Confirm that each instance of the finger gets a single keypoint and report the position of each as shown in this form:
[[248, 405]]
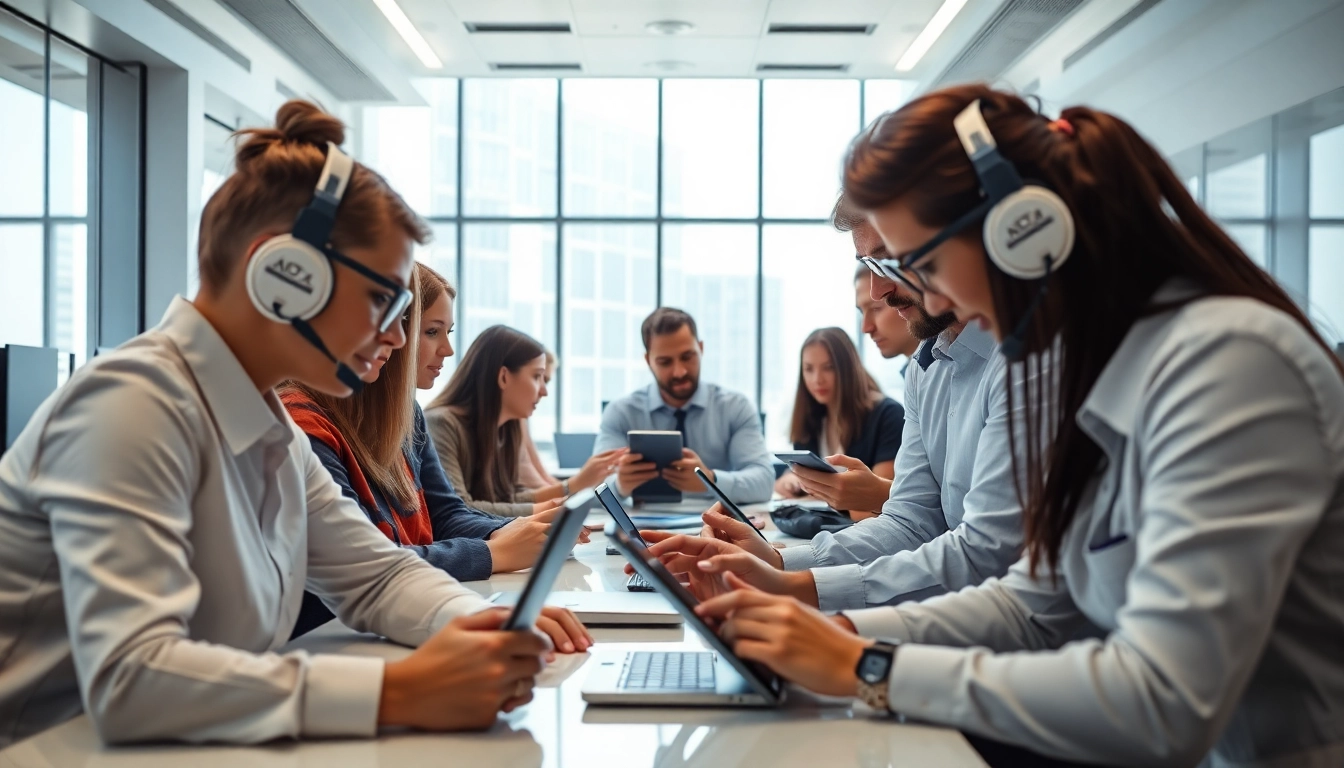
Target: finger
[[737, 583], [486, 620], [730, 525], [516, 702], [737, 564], [584, 537], [547, 515], [570, 623], [677, 562], [722, 605], [761, 653], [527, 643], [847, 462], [677, 542], [651, 537], [631, 458], [559, 637]]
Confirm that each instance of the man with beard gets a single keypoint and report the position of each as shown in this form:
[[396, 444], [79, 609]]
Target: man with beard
[[721, 429], [952, 519]]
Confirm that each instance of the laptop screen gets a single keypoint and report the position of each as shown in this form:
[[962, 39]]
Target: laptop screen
[[767, 683]]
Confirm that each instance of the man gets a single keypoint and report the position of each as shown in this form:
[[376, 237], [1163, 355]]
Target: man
[[721, 429], [953, 517]]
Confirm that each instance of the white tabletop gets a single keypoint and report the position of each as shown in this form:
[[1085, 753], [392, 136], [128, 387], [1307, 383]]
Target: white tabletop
[[558, 728]]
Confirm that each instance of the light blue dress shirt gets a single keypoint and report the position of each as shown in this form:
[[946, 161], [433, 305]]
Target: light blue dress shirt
[[1202, 568], [722, 427], [953, 519]]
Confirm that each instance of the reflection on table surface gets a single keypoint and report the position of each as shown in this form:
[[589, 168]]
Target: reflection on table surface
[[558, 728]]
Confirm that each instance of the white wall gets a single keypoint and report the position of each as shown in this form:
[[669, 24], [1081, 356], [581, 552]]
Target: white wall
[[1189, 70]]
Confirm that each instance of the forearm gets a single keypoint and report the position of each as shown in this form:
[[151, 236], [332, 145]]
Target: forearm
[[463, 559]]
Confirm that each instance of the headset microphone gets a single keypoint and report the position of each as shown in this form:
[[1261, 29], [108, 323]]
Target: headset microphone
[[343, 372]]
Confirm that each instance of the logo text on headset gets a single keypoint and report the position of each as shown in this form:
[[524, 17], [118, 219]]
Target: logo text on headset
[[292, 273], [1026, 225]]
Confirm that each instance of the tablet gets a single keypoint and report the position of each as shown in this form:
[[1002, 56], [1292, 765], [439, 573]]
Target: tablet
[[662, 448], [728, 505], [806, 459], [560, 540]]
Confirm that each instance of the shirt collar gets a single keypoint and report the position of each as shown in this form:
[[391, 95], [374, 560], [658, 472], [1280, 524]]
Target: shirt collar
[[654, 402], [1118, 391], [243, 415], [971, 340]]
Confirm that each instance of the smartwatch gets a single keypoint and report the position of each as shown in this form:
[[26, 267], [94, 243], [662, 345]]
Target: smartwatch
[[874, 671]]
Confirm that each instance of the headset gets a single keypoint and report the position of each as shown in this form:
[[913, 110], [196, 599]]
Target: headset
[[1028, 230], [291, 277]]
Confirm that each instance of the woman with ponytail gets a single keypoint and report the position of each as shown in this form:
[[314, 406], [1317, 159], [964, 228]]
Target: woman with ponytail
[[161, 516], [1181, 597]]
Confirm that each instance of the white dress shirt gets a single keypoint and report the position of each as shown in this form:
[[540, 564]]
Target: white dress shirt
[[1198, 612], [159, 519], [953, 518]]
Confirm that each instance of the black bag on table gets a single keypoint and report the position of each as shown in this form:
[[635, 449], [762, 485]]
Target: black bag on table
[[804, 523]]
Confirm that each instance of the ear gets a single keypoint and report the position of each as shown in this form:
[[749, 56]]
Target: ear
[[701, 344], [503, 376], [647, 361]]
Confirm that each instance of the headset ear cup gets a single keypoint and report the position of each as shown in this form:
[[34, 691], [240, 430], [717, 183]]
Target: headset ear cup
[[288, 278], [1024, 228]]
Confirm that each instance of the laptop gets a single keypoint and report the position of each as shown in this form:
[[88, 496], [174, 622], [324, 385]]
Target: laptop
[[574, 448], [716, 677], [607, 498]]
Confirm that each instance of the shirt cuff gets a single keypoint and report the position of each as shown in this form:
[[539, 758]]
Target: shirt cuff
[[799, 558], [839, 587], [341, 696], [879, 622], [918, 685]]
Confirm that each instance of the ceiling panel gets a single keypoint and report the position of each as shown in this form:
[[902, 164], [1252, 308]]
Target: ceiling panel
[[646, 57]]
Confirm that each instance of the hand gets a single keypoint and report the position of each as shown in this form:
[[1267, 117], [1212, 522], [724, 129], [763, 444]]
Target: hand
[[706, 562], [856, 488], [596, 469], [632, 471], [794, 640], [724, 528], [517, 544], [680, 474], [788, 486], [462, 676], [550, 505], [567, 633]]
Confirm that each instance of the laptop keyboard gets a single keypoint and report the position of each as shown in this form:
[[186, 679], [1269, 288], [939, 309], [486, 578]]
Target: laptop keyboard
[[663, 670], [636, 583]]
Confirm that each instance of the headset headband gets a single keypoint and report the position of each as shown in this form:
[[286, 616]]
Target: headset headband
[[315, 222]]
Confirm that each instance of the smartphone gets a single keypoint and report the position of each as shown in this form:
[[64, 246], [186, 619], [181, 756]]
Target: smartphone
[[728, 506], [806, 459]]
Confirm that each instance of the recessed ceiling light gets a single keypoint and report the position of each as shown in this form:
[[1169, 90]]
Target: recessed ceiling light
[[932, 31], [669, 27], [419, 46], [670, 65]]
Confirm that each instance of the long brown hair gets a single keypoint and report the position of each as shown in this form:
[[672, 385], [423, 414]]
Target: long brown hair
[[1137, 227], [378, 422], [276, 170], [474, 395], [855, 391]]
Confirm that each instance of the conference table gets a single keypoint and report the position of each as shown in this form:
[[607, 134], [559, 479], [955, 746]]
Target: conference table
[[558, 728]]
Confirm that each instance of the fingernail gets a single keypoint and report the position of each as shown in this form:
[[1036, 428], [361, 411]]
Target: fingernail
[[569, 647], [705, 565]]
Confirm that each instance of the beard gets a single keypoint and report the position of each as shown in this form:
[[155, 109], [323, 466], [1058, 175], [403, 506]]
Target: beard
[[671, 386], [923, 325]]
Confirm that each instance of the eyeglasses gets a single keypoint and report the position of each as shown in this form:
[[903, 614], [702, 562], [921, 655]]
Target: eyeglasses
[[909, 269], [399, 299]]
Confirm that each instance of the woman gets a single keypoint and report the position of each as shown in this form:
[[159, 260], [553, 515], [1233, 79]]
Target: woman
[[165, 484], [1181, 597], [377, 449], [840, 411], [437, 296], [476, 424], [532, 473]]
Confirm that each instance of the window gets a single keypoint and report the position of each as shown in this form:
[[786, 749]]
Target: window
[[1327, 174], [709, 270], [809, 124], [415, 148], [509, 147], [881, 96], [509, 279], [711, 148], [610, 147], [609, 288], [807, 278], [1325, 268]]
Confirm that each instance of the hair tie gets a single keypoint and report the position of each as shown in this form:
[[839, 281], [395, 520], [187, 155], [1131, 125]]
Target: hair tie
[[1063, 126]]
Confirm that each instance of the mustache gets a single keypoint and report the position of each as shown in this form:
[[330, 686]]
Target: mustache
[[897, 301]]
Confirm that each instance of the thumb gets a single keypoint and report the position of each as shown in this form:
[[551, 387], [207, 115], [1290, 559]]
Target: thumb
[[723, 523], [482, 621], [734, 563], [848, 462]]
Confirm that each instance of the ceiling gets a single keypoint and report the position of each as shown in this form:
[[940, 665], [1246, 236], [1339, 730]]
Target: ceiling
[[609, 38]]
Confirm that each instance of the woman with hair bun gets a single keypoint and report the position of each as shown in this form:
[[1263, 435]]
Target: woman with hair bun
[[162, 515], [1181, 597]]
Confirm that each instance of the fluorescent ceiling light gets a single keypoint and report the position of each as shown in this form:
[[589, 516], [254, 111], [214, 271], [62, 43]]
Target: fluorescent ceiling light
[[937, 25], [419, 46]]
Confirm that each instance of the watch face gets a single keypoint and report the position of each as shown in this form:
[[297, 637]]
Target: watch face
[[873, 668]]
